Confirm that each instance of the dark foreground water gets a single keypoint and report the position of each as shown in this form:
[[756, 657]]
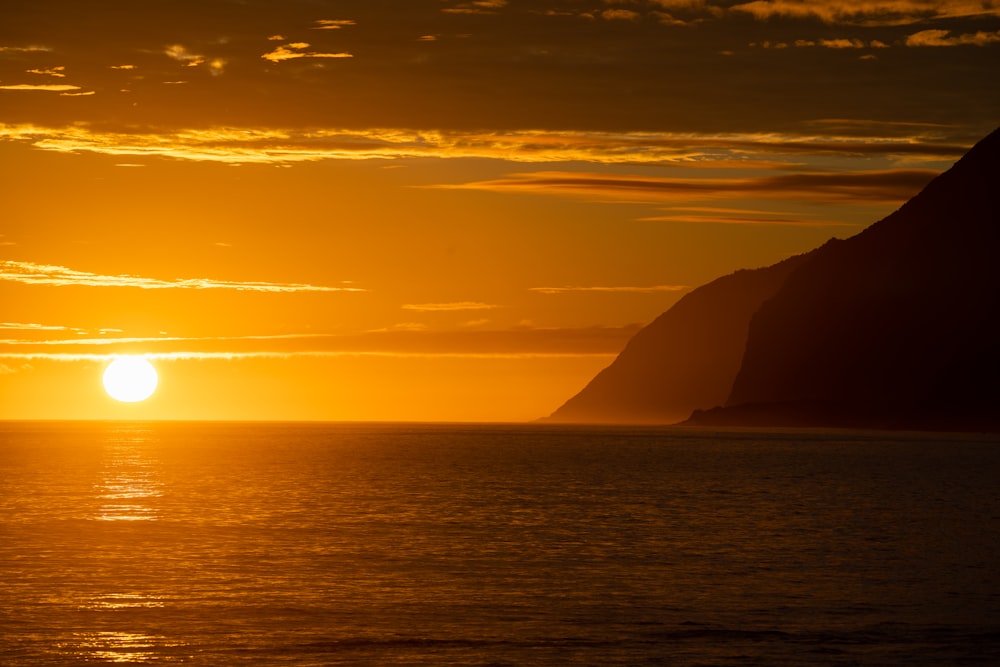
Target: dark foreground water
[[299, 544]]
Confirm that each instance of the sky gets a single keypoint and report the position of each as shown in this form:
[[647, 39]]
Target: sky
[[434, 210]]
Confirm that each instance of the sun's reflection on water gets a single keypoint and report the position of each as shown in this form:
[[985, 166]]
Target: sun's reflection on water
[[119, 647], [129, 483], [126, 601], [121, 607]]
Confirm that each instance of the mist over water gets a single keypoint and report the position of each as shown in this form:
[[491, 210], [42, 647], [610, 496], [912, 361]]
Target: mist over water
[[327, 544]]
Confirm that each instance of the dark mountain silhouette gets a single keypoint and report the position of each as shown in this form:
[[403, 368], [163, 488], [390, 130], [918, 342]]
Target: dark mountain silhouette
[[896, 327]]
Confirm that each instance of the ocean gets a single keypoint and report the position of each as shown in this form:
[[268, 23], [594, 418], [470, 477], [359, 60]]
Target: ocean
[[434, 544]]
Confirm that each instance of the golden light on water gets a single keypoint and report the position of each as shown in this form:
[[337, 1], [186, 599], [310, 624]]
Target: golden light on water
[[129, 486], [116, 647]]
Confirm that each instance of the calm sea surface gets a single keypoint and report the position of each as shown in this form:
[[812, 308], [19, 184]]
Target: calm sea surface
[[339, 544]]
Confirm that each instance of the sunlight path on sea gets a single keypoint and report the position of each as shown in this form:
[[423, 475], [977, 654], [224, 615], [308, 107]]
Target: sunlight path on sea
[[128, 488], [129, 484]]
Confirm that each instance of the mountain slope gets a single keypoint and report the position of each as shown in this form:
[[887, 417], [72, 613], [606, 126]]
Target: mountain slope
[[685, 359]]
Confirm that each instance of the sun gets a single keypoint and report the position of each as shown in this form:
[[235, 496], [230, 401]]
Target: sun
[[130, 379]]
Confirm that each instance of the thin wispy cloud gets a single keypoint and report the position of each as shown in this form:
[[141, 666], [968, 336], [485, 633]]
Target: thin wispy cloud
[[945, 38], [871, 12], [182, 55], [236, 356], [156, 341], [836, 43], [650, 289], [332, 24], [188, 59], [276, 146], [932, 37], [34, 327], [500, 343], [847, 12], [297, 50], [877, 186], [25, 49], [733, 216], [47, 87], [30, 273], [450, 306], [476, 7], [664, 12], [620, 15], [904, 131], [58, 72]]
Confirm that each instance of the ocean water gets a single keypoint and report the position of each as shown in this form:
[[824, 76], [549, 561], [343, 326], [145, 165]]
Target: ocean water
[[366, 544]]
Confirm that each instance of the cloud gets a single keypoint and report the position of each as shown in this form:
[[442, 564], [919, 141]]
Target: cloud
[[944, 38], [842, 43], [49, 71], [869, 12], [617, 290], [183, 56], [683, 4], [332, 24], [404, 326], [49, 87], [104, 342], [215, 66], [295, 50], [30, 273], [234, 356], [850, 126], [620, 15], [275, 146], [881, 186], [838, 43], [452, 306], [35, 328], [678, 12], [732, 216], [24, 49], [477, 7], [519, 342]]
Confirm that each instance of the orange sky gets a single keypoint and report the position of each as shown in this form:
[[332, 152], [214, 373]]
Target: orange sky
[[427, 209]]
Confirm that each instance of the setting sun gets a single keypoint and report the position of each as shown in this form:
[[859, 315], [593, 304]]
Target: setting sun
[[130, 379]]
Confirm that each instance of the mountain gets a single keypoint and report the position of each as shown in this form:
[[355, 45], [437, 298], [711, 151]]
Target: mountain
[[685, 359], [895, 327], [898, 326]]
